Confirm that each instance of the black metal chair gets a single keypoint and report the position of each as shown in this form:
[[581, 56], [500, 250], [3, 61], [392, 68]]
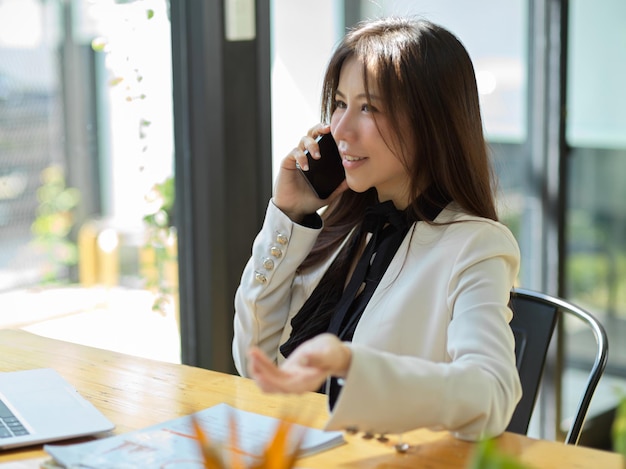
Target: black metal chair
[[535, 316]]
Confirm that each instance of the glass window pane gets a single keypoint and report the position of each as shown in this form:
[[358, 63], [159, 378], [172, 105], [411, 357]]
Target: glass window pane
[[500, 64], [298, 67], [596, 113], [86, 172], [31, 148], [596, 134]]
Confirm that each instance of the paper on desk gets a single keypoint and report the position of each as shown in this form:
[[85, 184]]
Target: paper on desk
[[35, 463], [172, 443]]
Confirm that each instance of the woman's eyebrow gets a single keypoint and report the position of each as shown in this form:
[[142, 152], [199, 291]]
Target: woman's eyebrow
[[372, 97]]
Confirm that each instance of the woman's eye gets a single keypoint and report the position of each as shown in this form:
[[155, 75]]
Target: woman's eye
[[368, 108], [339, 104]]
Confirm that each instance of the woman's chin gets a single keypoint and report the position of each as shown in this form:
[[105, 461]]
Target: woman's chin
[[357, 186]]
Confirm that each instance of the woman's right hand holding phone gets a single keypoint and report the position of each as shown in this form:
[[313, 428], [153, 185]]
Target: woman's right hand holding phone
[[292, 194]]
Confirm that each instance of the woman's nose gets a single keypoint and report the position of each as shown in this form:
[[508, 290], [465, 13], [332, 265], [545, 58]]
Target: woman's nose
[[342, 126]]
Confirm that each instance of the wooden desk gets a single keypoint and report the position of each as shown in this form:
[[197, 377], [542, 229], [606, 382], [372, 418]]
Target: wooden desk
[[136, 392]]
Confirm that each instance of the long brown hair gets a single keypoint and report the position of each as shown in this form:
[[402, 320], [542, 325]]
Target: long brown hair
[[425, 78]]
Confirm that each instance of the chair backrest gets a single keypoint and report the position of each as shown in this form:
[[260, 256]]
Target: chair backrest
[[534, 318]]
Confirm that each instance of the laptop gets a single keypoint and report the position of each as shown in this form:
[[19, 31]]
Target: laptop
[[39, 405]]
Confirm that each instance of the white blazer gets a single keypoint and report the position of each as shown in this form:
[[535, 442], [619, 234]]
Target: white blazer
[[433, 347]]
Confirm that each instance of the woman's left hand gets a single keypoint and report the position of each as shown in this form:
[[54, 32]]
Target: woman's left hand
[[306, 369]]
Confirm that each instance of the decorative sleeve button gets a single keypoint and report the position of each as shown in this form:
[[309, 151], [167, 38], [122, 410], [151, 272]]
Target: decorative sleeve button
[[268, 263], [260, 277], [276, 252], [282, 239]]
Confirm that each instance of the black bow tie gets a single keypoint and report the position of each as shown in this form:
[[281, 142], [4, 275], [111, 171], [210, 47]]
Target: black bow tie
[[377, 216]]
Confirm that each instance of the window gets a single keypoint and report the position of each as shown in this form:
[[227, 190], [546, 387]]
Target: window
[[595, 264], [86, 170]]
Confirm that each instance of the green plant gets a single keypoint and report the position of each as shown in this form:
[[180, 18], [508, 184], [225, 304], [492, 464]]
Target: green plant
[[618, 430], [488, 456], [162, 195], [158, 252], [54, 221], [160, 244]]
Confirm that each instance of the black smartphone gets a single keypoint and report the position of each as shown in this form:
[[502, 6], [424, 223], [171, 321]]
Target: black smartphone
[[324, 175]]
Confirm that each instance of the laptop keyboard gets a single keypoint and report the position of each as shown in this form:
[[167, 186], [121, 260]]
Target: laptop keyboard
[[9, 424]]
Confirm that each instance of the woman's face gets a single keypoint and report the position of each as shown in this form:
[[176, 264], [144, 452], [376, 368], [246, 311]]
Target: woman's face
[[362, 133]]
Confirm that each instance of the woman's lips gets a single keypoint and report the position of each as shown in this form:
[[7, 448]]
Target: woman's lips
[[350, 162]]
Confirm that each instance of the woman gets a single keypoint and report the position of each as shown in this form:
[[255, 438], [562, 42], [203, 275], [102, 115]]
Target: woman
[[416, 334]]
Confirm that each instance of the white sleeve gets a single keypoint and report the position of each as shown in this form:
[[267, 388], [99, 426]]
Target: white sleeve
[[263, 298]]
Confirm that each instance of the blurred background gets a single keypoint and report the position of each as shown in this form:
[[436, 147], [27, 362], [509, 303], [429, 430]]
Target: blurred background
[[138, 140]]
